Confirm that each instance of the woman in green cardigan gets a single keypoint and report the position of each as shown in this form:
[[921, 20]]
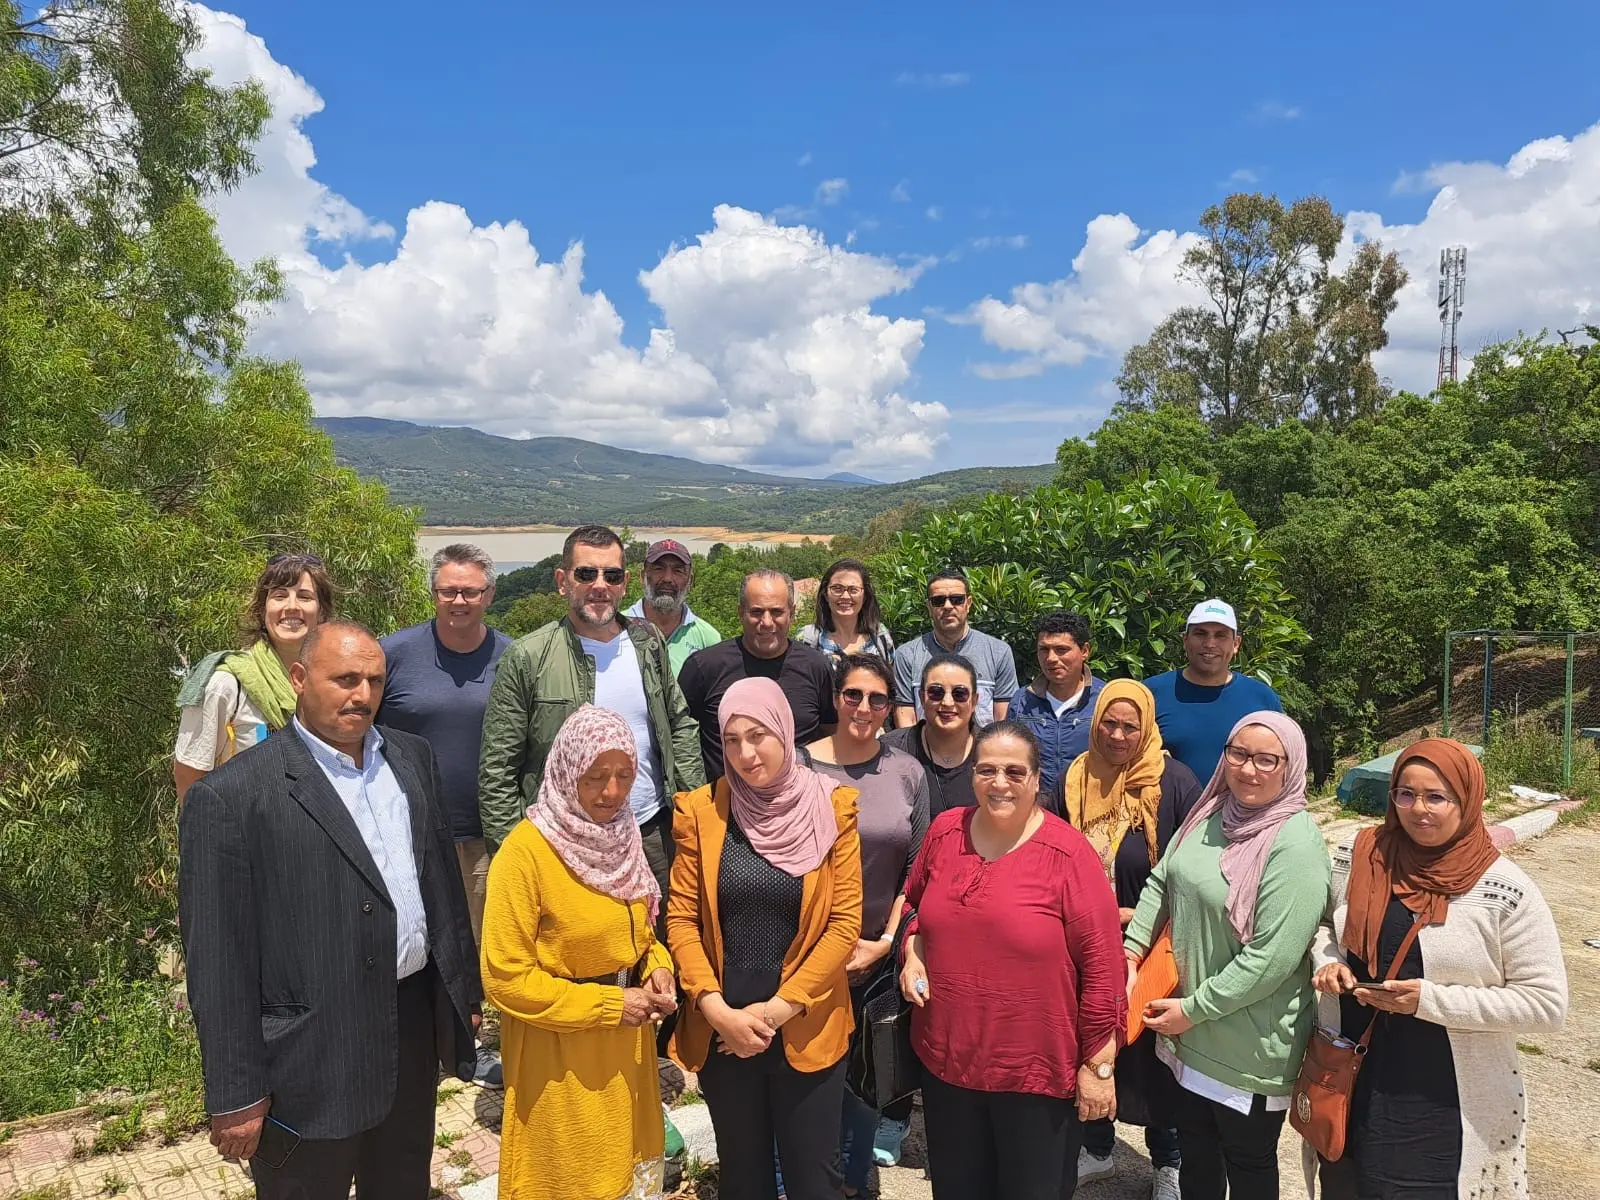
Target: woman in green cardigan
[[1245, 884]]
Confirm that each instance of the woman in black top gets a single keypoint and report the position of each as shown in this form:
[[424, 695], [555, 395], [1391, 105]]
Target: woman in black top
[[943, 741], [1128, 797]]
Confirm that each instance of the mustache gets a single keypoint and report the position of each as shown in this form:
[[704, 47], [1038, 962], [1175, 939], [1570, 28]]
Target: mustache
[[356, 710]]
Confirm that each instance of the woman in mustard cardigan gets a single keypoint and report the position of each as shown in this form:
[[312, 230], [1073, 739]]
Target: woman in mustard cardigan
[[764, 911], [571, 960]]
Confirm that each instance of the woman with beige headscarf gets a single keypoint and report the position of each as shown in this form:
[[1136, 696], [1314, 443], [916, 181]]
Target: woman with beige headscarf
[[1438, 1110], [1128, 797]]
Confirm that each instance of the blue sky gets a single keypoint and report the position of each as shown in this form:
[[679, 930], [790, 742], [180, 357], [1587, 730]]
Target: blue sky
[[969, 148]]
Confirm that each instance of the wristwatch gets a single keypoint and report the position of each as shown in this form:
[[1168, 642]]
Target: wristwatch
[[1102, 1070]]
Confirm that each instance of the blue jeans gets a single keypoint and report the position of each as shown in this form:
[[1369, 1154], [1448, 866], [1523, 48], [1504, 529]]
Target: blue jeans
[[857, 1127], [1100, 1138]]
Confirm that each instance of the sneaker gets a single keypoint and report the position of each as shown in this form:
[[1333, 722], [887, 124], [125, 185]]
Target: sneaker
[[488, 1073], [887, 1141], [1164, 1186], [1092, 1166]]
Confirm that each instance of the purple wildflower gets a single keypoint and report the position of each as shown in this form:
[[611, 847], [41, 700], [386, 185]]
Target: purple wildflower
[[57, 996], [77, 1006], [29, 964]]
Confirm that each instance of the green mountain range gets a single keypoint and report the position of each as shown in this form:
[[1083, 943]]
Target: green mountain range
[[460, 476]]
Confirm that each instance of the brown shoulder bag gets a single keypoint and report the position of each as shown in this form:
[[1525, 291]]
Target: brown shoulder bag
[[1320, 1107]]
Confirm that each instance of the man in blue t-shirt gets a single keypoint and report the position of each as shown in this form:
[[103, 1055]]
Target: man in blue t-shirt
[[437, 686], [1197, 707]]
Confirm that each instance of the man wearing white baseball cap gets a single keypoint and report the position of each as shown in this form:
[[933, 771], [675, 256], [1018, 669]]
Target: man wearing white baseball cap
[[1197, 707]]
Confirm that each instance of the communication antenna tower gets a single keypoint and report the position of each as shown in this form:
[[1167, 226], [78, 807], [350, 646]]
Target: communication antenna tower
[[1452, 291]]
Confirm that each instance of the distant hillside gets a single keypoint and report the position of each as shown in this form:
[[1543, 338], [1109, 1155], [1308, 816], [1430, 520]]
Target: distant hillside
[[462, 476]]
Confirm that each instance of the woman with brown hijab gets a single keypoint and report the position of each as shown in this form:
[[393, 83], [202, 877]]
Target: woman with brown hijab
[[1439, 1111]]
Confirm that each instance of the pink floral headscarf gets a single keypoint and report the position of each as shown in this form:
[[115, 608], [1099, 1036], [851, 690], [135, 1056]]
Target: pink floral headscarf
[[610, 857]]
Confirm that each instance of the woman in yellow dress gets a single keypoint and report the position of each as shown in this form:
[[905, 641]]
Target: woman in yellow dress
[[571, 960]]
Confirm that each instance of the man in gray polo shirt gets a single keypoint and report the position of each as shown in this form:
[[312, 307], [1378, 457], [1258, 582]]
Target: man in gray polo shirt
[[949, 603]]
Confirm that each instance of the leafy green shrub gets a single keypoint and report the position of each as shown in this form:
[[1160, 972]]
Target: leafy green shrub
[[1133, 561], [58, 1048], [1527, 751]]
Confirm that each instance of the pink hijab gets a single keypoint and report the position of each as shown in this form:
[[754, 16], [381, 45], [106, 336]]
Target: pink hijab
[[1250, 832], [610, 857], [790, 822]]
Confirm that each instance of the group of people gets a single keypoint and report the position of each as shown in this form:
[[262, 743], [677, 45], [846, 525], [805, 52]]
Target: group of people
[[638, 841]]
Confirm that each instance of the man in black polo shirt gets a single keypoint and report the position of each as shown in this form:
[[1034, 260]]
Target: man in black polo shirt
[[766, 610]]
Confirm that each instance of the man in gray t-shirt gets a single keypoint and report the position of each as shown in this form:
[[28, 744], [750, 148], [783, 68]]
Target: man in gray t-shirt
[[949, 603]]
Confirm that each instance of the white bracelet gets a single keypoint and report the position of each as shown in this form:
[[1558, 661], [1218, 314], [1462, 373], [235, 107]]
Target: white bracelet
[[886, 937]]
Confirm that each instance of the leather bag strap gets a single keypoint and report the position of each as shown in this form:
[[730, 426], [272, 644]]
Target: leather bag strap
[[1394, 969]]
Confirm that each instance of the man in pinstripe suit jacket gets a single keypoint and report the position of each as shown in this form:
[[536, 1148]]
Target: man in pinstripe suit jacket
[[330, 956]]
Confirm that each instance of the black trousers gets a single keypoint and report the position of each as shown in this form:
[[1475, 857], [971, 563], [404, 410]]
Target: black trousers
[[391, 1160], [999, 1145], [659, 851], [1225, 1152], [757, 1101]]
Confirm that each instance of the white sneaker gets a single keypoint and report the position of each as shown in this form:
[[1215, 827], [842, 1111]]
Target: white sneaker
[[1092, 1166], [1164, 1186]]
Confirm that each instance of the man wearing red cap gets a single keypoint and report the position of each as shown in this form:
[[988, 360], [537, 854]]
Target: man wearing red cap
[[668, 576]]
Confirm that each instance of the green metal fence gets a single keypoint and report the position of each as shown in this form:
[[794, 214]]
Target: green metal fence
[[1535, 685]]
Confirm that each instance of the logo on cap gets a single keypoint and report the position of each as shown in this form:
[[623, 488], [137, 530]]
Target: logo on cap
[[666, 547], [1213, 612]]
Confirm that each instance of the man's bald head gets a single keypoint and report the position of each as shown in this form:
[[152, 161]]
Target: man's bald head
[[339, 680]]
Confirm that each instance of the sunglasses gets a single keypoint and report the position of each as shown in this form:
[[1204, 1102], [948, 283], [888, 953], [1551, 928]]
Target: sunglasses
[[960, 693], [941, 601], [989, 772], [855, 697], [614, 575], [311, 560]]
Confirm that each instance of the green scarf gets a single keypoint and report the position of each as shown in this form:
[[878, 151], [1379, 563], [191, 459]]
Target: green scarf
[[260, 673]]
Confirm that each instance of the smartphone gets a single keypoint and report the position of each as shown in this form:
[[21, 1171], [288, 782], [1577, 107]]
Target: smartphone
[[277, 1143]]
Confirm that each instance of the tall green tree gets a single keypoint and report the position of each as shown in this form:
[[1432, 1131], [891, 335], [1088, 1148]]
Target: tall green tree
[[147, 464], [1282, 334]]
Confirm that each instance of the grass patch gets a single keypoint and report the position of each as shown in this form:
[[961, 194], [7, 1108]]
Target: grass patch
[[183, 1111], [48, 1191], [689, 1097], [1526, 751], [60, 1045], [444, 1139], [113, 1184], [1530, 1048], [119, 1133], [446, 1092]]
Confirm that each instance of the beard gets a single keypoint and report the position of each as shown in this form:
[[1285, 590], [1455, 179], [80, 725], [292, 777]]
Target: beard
[[597, 612], [664, 602]]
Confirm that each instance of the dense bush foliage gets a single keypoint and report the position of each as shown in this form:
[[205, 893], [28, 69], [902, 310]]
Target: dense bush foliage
[[147, 469], [1133, 560]]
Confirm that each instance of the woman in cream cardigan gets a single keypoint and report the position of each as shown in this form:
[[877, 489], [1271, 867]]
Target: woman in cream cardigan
[[1439, 1111]]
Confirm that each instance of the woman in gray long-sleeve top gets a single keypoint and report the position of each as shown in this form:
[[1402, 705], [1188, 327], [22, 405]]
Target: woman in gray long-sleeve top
[[893, 817]]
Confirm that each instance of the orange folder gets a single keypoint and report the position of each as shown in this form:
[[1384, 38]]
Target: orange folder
[[1156, 979]]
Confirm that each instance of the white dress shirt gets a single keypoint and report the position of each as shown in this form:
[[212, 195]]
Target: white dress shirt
[[377, 804]]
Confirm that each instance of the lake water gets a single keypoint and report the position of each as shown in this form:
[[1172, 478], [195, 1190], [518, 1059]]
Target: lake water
[[511, 550]]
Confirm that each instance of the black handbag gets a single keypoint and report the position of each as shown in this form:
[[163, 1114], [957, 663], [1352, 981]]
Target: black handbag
[[883, 1067]]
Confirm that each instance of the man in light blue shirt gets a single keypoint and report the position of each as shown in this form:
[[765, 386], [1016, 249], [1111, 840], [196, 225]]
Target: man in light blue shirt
[[668, 576], [382, 815]]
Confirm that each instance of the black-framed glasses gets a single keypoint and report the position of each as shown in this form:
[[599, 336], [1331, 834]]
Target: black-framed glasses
[[855, 697], [1405, 798], [957, 599], [1237, 756], [467, 594], [960, 693], [989, 772], [310, 560], [843, 592], [614, 575]]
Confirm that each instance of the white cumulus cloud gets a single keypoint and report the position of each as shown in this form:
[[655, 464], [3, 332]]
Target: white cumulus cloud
[[1531, 227], [769, 352]]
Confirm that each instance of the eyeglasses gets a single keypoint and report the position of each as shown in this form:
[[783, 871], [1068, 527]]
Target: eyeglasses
[[614, 575], [310, 560], [1405, 798], [839, 589], [988, 772], [467, 594], [960, 693], [855, 697], [1237, 756], [957, 599]]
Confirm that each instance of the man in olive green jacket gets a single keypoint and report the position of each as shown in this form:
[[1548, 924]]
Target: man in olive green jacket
[[593, 655]]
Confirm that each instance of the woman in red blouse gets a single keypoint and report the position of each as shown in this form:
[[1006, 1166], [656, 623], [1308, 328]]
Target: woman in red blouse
[[1015, 966]]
